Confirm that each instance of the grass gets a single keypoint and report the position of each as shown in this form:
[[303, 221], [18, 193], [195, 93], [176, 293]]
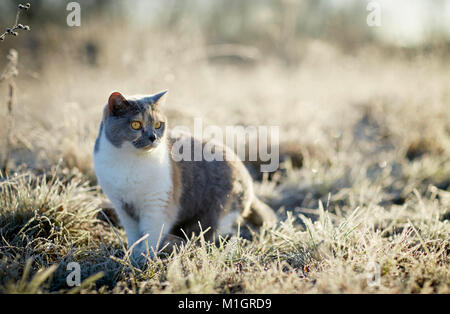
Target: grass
[[47, 222], [364, 182]]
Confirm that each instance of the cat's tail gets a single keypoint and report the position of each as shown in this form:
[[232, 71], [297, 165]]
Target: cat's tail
[[261, 213]]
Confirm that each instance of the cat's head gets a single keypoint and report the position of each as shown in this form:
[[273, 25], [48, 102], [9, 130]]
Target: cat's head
[[135, 121]]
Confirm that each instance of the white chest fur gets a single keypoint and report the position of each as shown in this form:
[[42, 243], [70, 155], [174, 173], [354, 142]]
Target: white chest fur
[[128, 176], [142, 180]]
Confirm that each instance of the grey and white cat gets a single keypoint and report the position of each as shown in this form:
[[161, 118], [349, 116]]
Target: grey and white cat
[[155, 195]]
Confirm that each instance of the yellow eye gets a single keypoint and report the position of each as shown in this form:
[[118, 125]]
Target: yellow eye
[[136, 125], [157, 125]]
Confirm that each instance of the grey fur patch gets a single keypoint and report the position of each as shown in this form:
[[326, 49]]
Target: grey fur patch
[[97, 141], [130, 210], [210, 190]]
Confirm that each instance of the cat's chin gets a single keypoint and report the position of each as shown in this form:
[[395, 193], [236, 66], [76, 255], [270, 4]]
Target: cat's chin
[[150, 148]]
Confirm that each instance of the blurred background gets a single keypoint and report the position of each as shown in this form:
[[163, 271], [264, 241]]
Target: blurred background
[[343, 93], [275, 28]]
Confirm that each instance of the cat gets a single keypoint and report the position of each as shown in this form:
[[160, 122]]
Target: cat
[[157, 196]]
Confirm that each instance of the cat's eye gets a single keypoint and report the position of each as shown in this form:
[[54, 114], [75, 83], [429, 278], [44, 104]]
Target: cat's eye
[[136, 125], [157, 125]]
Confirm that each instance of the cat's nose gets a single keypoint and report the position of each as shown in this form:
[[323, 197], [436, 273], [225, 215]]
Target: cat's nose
[[152, 137]]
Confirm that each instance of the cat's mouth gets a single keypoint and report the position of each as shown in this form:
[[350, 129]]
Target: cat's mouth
[[139, 146], [150, 147]]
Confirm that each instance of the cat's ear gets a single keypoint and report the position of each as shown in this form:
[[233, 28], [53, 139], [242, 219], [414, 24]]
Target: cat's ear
[[117, 104], [159, 98]]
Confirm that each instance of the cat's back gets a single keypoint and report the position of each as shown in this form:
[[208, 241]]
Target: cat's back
[[205, 159], [207, 180]]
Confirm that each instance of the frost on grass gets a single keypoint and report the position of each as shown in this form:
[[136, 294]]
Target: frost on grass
[[47, 221]]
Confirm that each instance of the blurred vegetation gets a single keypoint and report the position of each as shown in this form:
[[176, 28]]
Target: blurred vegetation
[[275, 28]]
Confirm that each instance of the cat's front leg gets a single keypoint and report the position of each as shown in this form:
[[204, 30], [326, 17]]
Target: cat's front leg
[[155, 225], [131, 226]]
